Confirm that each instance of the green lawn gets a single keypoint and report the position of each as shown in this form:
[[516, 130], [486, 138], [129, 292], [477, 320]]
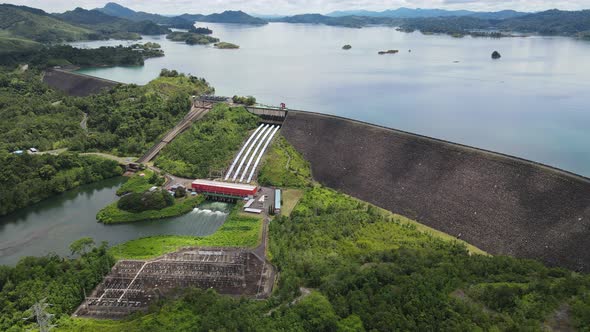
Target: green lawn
[[237, 231], [111, 214]]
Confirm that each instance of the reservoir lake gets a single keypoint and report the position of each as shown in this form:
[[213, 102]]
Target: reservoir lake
[[531, 103]]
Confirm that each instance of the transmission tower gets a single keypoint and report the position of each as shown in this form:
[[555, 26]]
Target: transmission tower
[[39, 310]]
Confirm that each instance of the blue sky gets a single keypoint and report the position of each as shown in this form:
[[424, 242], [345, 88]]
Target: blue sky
[[304, 6]]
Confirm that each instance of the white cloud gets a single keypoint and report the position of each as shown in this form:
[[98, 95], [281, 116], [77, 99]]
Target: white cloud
[[304, 6]]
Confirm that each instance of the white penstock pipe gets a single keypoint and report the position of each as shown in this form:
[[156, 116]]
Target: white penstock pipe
[[261, 154], [248, 152], [233, 165], [255, 152]]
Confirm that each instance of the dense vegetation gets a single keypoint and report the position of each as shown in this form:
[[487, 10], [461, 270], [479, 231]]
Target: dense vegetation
[[236, 231], [27, 179], [209, 145], [129, 119], [283, 166], [61, 281], [395, 278], [146, 201], [191, 38], [64, 55], [34, 116], [201, 30], [248, 101], [113, 214]]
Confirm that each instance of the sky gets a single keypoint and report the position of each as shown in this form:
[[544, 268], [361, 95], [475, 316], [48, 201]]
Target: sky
[[289, 7]]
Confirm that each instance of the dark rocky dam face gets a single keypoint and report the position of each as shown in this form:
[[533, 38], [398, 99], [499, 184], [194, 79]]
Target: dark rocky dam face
[[75, 84], [501, 204]]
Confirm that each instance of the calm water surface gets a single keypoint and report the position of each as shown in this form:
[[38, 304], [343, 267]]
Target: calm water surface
[[53, 224], [532, 103]]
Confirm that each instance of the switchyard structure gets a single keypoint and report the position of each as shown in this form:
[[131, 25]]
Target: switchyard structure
[[132, 285]]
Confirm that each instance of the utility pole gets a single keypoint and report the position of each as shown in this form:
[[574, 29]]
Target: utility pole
[[43, 317]]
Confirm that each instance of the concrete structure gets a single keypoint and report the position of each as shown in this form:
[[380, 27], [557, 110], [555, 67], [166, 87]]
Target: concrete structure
[[501, 204], [224, 189]]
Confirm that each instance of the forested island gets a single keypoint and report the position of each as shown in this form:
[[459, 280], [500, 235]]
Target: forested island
[[226, 45], [191, 38]]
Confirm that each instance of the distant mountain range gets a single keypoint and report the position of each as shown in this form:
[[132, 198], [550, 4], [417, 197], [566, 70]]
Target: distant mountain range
[[180, 21], [425, 13], [551, 22]]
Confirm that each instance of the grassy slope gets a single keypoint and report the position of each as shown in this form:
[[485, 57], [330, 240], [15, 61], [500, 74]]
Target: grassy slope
[[111, 214], [209, 145], [37, 25], [9, 45], [283, 166], [237, 231]]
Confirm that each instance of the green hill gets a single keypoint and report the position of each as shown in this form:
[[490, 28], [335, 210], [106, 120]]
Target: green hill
[[13, 45], [116, 10], [107, 25], [34, 24], [230, 16]]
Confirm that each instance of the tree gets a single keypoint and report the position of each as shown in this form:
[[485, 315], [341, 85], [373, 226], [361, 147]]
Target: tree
[[81, 246], [180, 192], [47, 172]]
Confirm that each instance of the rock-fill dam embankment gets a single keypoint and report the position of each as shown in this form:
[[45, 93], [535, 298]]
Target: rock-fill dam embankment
[[501, 204], [74, 84]]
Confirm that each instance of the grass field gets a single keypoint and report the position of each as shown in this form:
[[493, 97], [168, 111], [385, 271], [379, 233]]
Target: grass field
[[290, 199], [137, 183], [237, 231], [111, 214]]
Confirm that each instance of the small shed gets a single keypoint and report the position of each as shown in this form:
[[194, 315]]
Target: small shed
[[278, 200]]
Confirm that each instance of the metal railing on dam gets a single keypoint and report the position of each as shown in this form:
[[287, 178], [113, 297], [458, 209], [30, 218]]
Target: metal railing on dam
[[501, 204]]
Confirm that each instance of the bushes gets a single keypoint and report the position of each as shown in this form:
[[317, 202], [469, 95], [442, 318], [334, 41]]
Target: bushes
[[248, 101], [139, 202]]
